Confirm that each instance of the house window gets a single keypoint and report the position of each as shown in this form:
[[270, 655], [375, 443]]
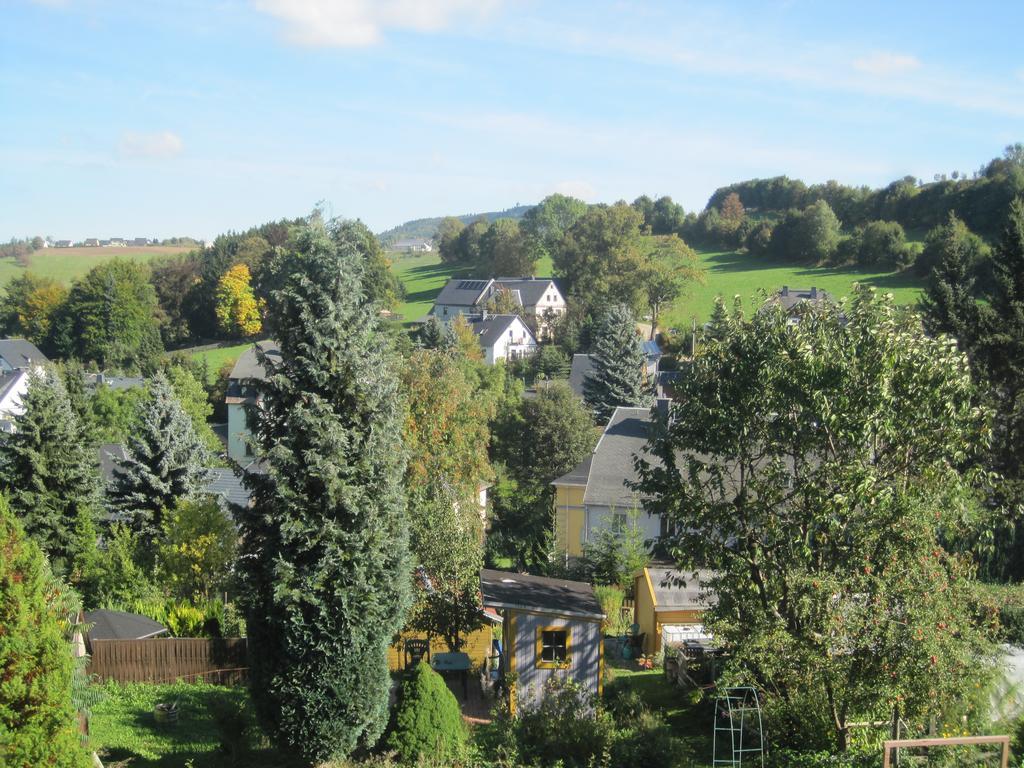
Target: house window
[[553, 647]]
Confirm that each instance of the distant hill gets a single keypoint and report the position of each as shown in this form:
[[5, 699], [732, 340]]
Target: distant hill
[[427, 228]]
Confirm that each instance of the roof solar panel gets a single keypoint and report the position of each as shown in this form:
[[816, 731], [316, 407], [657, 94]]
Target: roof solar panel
[[472, 285]]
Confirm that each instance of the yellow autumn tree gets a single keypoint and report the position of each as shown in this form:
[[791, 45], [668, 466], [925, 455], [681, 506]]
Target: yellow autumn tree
[[238, 310]]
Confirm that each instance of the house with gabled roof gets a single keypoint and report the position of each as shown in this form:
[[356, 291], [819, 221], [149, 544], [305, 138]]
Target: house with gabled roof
[[242, 396], [20, 355], [596, 494], [503, 337], [539, 297]]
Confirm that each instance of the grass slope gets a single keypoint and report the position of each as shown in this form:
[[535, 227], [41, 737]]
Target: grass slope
[[727, 273], [67, 264], [218, 357], [731, 273]]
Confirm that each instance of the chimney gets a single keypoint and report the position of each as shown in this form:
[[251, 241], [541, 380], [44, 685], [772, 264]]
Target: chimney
[[785, 290], [814, 292], [483, 314]]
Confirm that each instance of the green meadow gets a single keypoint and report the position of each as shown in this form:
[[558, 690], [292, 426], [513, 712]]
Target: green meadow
[[67, 264], [726, 273]]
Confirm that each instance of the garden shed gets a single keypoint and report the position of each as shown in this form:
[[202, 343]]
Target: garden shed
[[551, 629], [669, 605]]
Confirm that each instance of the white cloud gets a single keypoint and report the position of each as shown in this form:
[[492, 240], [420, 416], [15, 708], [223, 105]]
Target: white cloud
[[359, 23], [887, 63], [576, 188], [161, 144]]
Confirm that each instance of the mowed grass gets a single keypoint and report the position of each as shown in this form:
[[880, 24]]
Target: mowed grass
[[67, 264], [731, 273], [726, 274], [219, 357]]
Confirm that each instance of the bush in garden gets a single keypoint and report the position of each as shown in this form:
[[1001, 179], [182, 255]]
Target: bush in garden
[[428, 722], [565, 725], [37, 719], [610, 598]]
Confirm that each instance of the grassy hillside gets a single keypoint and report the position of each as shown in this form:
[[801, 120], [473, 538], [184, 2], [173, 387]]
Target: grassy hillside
[[726, 273], [730, 273], [427, 228], [67, 264]]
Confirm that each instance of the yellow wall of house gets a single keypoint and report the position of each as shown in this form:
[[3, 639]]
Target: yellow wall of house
[[569, 516], [478, 647], [644, 607], [651, 620]]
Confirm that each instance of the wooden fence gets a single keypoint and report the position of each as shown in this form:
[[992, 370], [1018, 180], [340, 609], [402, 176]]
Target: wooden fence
[[164, 660]]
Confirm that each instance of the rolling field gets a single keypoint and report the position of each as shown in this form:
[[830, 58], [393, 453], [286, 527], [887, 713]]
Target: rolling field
[[726, 273], [730, 273], [67, 264], [218, 357]]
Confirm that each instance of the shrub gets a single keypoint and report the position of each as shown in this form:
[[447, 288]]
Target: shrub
[[566, 725], [233, 722], [428, 721], [610, 598]]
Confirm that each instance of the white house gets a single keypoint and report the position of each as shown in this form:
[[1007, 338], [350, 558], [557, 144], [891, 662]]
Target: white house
[[503, 337], [412, 245], [538, 296], [13, 386], [242, 396]]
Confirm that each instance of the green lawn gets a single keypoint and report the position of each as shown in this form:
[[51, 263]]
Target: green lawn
[[125, 735], [219, 357], [692, 723], [67, 264], [728, 273]]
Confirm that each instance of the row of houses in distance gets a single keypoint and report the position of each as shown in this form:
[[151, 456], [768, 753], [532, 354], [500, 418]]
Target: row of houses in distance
[[95, 242]]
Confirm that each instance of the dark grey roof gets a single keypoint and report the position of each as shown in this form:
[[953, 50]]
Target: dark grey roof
[[789, 298], [114, 382], [504, 589], [462, 292], [531, 289], [226, 485], [248, 367], [670, 594], [578, 475], [118, 625], [21, 353], [489, 330], [581, 366], [623, 438]]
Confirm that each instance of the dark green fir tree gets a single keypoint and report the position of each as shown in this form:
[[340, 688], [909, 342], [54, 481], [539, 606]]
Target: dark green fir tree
[[618, 376], [949, 304], [165, 462], [325, 562], [50, 474]]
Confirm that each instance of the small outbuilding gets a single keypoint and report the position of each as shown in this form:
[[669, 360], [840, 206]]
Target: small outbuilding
[[669, 606], [551, 628], [119, 625]]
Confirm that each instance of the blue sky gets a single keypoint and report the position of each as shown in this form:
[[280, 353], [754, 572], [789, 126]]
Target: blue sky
[[152, 118]]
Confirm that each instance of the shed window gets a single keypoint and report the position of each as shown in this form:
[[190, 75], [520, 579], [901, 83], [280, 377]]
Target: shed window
[[552, 647]]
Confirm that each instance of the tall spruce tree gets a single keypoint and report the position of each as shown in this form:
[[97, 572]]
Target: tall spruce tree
[[949, 304], [165, 462], [325, 545], [50, 474], [37, 718], [617, 378]]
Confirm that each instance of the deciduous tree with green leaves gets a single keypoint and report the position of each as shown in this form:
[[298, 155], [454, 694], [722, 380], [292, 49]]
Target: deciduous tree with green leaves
[[324, 559], [814, 468]]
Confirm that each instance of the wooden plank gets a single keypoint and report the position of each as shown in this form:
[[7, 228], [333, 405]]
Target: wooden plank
[[953, 741]]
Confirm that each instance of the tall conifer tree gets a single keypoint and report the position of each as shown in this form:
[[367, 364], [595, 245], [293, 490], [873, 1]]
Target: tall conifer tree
[[37, 718], [50, 474], [325, 546], [165, 462], [618, 355]]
